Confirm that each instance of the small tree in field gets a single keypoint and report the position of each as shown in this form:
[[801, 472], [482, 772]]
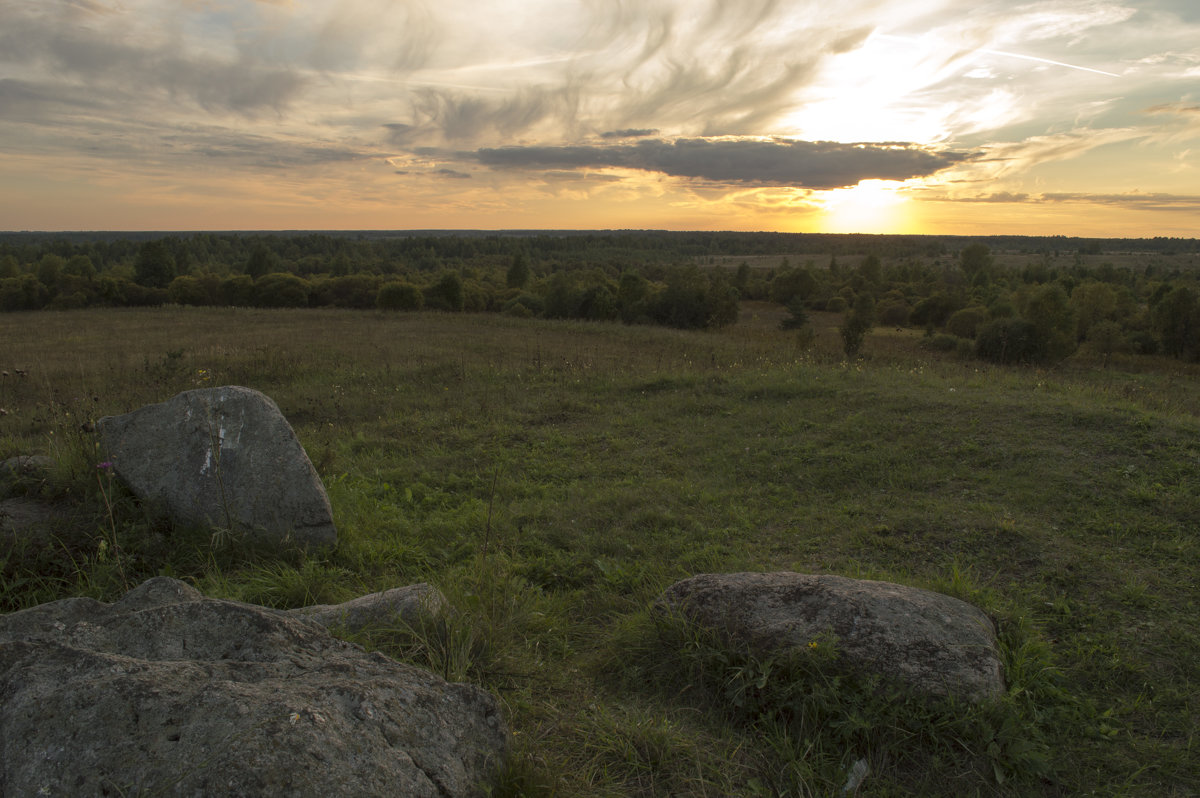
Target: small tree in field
[[857, 324]]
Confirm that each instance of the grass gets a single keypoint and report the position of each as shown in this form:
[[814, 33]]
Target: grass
[[553, 478]]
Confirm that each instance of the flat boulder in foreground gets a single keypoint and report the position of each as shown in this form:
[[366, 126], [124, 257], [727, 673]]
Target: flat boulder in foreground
[[221, 457], [933, 644], [166, 692]]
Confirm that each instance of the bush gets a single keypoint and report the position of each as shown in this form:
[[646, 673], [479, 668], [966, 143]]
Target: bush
[[359, 291], [933, 311], [942, 342], [281, 290], [524, 305], [894, 314], [236, 291], [1010, 341], [399, 296], [187, 290], [965, 323], [446, 294]]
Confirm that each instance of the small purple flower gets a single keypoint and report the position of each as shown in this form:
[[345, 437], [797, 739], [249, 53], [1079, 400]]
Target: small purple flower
[[106, 466]]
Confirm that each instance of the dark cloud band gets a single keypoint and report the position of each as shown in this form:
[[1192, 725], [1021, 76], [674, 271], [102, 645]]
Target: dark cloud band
[[771, 162]]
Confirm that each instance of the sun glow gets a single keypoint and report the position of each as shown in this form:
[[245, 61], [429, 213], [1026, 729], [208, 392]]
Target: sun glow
[[873, 206]]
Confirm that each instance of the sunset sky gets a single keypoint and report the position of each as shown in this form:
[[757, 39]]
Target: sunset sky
[[1074, 117]]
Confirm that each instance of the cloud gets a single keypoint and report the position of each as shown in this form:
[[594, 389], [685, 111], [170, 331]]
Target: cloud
[[1135, 201], [999, 160], [134, 71], [452, 174], [632, 133], [775, 162], [1180, 109], [1002, 196]]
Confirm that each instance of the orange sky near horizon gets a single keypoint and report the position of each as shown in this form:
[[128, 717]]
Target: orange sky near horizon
[[1061, 117]]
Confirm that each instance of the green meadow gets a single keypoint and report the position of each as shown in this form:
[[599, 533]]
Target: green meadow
[[553, 477]]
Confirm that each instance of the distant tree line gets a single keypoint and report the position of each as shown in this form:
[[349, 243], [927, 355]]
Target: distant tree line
[[1041, 313], [952, 287]]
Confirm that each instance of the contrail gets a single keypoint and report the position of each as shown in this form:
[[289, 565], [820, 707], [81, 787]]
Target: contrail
[[910, 40], [1048, 61]]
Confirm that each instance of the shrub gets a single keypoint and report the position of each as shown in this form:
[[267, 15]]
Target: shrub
[[350, 291], [446, 293], [281, 290], [236, 291], [399, 295], [187, 290], [1010, 341], [965, 323], [933, 311], [942, 342], [894, 313], [524, 305]]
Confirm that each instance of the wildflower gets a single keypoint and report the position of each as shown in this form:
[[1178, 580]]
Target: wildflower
[[106, 466], [812, 644]]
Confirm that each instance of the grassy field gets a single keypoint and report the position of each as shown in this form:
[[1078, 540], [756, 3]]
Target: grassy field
[[553, 478]]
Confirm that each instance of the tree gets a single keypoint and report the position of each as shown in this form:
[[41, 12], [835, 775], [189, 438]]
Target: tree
[[975, 258], [857, 323], [1176, 321], [80, 266], [446, 293], [261, 262], [632, 291], [871, 269], [1093, 303], [1054, 319], [518, 272], [155, 266], [48, 268]]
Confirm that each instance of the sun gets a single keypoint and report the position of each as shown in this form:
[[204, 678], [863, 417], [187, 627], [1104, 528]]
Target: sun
[[872, 206]]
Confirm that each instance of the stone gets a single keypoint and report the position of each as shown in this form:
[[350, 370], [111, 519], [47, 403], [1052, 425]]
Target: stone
[[400, 606], [221, 457], [21, 515], [933, 644], [166, 692], [25, 469]]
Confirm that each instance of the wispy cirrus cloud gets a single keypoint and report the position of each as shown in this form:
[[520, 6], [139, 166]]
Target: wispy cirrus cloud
[[473, 105]]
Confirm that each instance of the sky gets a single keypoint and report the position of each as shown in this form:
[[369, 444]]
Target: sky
[[1059, 117]]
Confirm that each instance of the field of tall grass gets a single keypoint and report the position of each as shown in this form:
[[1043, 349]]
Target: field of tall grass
[[552, 478]]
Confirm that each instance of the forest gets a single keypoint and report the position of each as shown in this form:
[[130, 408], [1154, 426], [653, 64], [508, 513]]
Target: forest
[[1005, 299]]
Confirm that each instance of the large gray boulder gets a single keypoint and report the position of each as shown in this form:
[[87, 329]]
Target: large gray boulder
[[220, 457], [934, 644], [166, 692]]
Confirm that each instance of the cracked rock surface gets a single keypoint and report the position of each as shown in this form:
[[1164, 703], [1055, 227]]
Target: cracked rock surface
[[166, 692]]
